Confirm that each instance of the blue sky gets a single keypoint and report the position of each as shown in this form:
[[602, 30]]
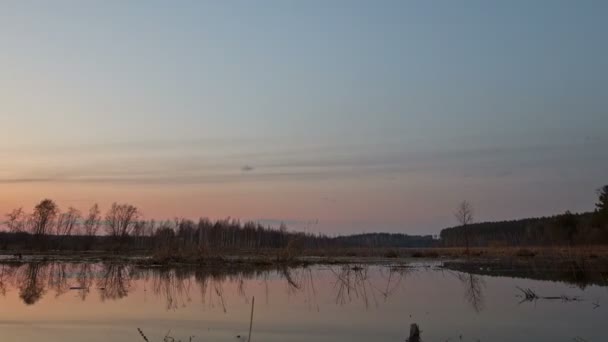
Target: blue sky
[[362, 115]]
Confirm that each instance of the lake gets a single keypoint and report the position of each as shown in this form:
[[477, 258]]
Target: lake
[[109, 302]]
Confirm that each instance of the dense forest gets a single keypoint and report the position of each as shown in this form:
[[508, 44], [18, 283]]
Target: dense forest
[[379, 240], [564, 229]]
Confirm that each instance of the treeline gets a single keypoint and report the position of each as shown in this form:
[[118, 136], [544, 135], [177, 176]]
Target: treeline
[[121, 228], [380, 240], [565, 229]]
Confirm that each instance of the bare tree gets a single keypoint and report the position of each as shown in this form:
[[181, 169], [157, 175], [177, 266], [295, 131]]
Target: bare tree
[[44, 216], [464, 216], [92, 222], [120, 220], [67, 222], [16, 221]]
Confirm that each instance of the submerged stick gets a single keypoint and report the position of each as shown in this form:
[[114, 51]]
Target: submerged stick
[[141, 333], [251, 319]]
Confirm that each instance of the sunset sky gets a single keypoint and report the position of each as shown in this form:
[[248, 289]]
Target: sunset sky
[[333, 116]]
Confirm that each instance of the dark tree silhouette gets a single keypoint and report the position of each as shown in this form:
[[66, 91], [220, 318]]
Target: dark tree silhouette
[[601, 208], [44, 216], [464, 216], [16, 221], [120, 220], [602, 203], [68, 222]]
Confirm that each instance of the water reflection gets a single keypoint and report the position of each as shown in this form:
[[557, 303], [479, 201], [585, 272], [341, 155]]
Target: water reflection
[[174, 286], [473, 290], [354, 283], [361, 300], [350, 284], [115, 281], [578, 272], [31, 278]]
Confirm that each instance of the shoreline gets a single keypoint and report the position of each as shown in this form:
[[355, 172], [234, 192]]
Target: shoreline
[[306, 257]]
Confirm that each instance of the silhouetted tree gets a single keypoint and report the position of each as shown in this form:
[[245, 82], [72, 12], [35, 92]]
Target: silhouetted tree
[[464, 216], [602, 204], [120, 220], [67, 222], [601, 207], [92, 222], [16, 221], [43, 218]]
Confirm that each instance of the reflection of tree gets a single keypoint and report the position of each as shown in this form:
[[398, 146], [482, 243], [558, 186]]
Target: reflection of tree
[[84, 279], [355, 283], [115, 282], [306, 279], [173, 285], [473, 290], [300, 281], [292, 285], [352, 282], [393, 280], [32, 283], [7, 273], [211, 289], [57, 277]]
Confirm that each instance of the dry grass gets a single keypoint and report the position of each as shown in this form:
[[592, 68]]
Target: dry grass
[[592, 252]]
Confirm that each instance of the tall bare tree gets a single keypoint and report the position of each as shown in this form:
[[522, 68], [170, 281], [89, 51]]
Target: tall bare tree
[[16, 221], [68, 222], [92, 222], [464, 216], [44, 216], [120, 220]]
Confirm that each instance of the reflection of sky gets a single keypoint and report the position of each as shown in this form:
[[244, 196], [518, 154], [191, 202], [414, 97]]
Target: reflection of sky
[[361, 117]]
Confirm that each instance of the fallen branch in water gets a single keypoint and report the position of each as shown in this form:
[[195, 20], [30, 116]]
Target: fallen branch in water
[[529, 295]]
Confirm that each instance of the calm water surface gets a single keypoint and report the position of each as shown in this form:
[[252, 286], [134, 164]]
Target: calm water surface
[[97, 302]]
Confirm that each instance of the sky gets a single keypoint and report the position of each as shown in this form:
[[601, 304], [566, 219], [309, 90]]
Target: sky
[[332, 116]]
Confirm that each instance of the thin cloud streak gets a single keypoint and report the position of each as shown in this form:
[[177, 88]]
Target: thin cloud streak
[[335, 163]]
